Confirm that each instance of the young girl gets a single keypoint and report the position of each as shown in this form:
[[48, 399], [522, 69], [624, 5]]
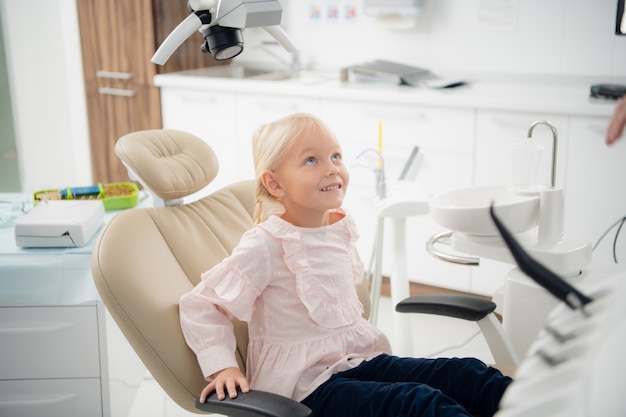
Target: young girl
[[293, 279]]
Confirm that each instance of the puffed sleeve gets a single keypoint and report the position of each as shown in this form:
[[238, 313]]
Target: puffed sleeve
[[227, 290]]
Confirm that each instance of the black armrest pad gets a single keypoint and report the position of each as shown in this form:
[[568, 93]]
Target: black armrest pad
[[254, 404], [464, 307]]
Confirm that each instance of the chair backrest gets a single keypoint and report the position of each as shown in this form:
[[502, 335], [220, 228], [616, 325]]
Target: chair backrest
[[145, 258]]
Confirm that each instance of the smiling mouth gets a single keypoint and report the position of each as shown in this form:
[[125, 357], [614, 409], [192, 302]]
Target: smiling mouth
[[333, 187]]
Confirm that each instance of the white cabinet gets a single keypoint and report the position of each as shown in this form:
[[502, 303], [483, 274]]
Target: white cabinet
[[53, 361], [445, 140], [497, 131], [227, 121], [594, 196], [61, 354], [463, 142], [253, 110], [212, 117]]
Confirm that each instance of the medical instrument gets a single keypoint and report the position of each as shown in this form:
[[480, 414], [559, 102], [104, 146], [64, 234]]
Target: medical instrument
[[221, 23], [573, 366], [404, 175], [558, 287]]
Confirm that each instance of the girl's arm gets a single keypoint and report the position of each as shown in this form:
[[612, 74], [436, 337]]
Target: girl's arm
[[208, 331], [226, 291]]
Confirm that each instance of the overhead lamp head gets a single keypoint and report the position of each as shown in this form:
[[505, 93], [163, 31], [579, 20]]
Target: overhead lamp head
[[222, 42], [221, 23]]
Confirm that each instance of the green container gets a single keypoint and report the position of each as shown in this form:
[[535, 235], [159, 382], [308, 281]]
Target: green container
[[114, 196]]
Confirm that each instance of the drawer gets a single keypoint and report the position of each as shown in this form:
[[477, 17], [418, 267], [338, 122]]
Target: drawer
[[49, 342], [51, 398]]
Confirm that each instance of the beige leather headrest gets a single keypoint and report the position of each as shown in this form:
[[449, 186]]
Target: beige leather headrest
[[170, 163]]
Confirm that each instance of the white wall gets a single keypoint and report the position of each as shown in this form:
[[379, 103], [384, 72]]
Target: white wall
[[47, 91], [563, 37]]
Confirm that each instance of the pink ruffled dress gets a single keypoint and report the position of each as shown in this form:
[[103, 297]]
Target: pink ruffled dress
[[295, 287]]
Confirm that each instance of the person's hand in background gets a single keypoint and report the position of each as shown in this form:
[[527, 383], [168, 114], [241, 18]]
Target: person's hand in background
[[616, 125]]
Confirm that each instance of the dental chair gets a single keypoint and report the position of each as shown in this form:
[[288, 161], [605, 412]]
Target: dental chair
[[144, 259]]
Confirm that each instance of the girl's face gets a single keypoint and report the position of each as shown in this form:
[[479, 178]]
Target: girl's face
[[311, 179]]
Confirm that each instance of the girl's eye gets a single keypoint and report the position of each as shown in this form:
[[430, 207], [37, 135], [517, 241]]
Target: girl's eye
[[309, 161], [336, 157]]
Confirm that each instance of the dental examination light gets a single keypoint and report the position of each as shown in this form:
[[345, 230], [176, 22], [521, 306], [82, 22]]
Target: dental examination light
[[221, 23]]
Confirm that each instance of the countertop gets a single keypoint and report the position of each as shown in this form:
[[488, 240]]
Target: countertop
[[527, 93], [44, 276]]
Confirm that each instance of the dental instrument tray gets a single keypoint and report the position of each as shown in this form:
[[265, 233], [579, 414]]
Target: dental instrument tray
[[114, 196]]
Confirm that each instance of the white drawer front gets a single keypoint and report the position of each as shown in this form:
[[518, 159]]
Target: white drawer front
[[51, 398], [49, 342]]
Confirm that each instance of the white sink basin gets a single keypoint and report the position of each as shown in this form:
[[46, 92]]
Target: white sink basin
[[467, 210]]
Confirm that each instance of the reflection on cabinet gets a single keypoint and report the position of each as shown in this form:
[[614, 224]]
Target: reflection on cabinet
[[118, 38]]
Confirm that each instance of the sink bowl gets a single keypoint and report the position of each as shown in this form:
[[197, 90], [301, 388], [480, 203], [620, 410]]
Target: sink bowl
[[240, 72], [244, 72], [467, 210]]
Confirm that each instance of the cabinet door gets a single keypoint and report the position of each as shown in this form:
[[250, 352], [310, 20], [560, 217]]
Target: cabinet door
[[49, 342], [445, 141], [594, 197], [253, 110], [117, 37], [212, 117], [113, 113], [498, 131], [51, 398]]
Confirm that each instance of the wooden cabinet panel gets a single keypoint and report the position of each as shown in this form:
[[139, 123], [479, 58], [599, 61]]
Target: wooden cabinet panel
[[118, 39], [117, 36], [114, 112]]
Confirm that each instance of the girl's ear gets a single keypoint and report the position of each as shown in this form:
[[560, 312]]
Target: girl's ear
[[271, 184]]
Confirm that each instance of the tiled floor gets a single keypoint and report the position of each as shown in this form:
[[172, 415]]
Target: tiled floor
[[432, 336]]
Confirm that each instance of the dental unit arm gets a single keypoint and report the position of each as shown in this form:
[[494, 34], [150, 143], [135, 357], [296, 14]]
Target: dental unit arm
[[221, 23]]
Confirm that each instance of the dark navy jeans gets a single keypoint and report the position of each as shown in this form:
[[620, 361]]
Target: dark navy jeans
[[390, 386]]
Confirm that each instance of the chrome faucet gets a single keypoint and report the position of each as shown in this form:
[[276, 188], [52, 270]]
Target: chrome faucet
[[554, 144]]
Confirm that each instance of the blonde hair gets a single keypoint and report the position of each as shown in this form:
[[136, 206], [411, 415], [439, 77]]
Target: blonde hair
[[270, 143]]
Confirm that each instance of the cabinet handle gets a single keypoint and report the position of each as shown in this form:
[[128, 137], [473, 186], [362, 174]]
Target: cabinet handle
[[444, 238], [115, 75], [37, 401], [50, 328], [116, 92]]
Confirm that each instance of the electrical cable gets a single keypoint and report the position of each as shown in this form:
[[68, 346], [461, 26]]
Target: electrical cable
[[619, 228], [619, 222], [460, 345]]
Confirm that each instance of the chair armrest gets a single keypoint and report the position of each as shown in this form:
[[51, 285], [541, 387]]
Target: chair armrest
[[464, 307], [254, 404]]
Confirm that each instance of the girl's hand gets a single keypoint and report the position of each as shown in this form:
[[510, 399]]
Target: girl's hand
[[226, 381]]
